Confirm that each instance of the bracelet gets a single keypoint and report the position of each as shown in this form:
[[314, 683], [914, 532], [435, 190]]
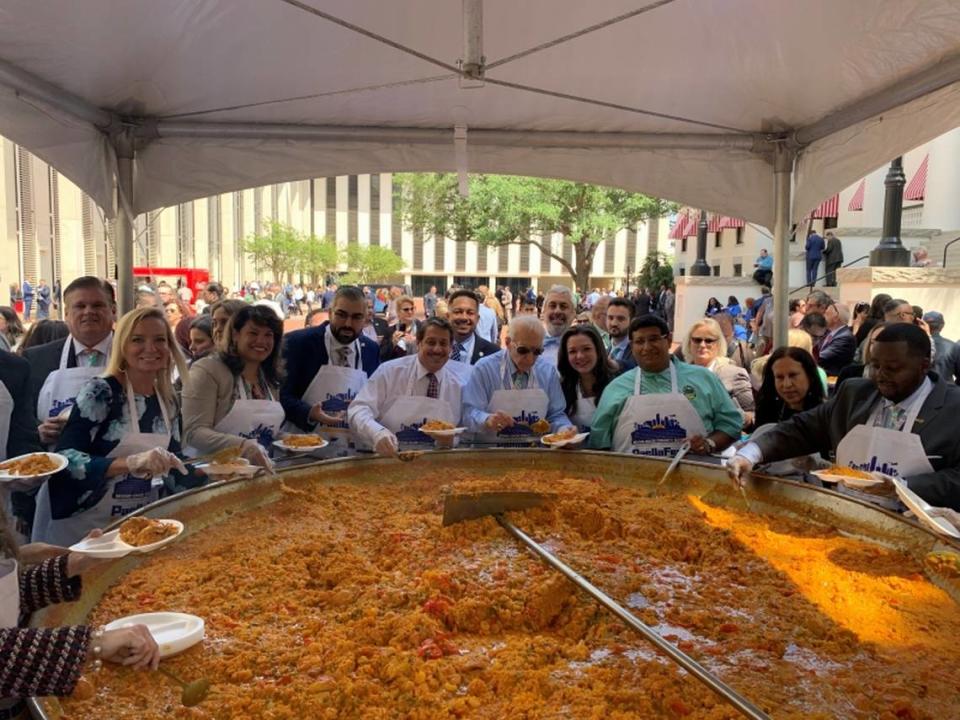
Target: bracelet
[[97, 639], [711, 445]]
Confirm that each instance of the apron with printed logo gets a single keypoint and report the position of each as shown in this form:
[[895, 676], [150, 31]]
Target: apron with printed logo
[[258, 420], [408, 412], [525, 407], [59, 391], [124, 495], [657, 424]]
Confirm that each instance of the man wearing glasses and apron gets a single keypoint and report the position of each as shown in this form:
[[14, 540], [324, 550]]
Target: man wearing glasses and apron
[[661, 404], [328, 365], [898, 423], [514, 396]]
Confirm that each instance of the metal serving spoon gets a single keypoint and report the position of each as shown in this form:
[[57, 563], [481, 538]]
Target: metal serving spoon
[[194, 692]]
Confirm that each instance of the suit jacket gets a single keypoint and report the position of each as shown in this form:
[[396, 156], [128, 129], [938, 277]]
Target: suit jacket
[[943, 363], [304, 352], [14, 374], [822, 428], [43, 360], [833, 253], [836, 354], [481, 348]]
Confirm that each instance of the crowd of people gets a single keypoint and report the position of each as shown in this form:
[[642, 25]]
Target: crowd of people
[[131, 400]]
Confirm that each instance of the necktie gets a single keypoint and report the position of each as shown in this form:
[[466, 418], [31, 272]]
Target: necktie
[[892, 416], [433, 386], [458, 350], [91, 358], [342, 354], [520, 380]]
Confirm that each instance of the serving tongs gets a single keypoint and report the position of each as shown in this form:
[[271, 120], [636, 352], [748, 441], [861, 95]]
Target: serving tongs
[[457, 508], [684, 449]]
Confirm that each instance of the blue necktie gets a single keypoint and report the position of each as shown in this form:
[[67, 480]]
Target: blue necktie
[[458, 349]]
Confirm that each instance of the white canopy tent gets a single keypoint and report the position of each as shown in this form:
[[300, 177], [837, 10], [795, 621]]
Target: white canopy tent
[[743, 107]]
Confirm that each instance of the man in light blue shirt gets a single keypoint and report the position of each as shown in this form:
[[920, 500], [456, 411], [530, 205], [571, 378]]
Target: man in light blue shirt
[[487, 403], [487, 324], [559, 311]]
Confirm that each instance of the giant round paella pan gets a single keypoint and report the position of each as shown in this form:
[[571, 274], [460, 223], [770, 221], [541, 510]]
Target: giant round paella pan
[[332, 591]]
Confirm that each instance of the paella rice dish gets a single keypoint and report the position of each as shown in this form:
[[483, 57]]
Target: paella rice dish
[[140, 531], [344, 600]]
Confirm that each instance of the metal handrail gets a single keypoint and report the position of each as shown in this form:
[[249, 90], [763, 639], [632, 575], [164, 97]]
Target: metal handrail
[[806, 285], [947, 247]]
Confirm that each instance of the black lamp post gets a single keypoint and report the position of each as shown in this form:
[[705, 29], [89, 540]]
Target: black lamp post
[[890, 252], [700, 266]]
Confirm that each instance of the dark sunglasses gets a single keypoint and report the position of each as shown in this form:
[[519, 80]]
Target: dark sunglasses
[[703, 341], [524, 350]]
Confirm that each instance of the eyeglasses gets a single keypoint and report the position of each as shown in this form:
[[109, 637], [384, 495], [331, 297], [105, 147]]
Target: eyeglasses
[[905, 313], [524, 350], [652, 340], [703, 341]]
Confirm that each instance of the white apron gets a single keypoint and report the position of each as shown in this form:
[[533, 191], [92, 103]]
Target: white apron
[[657, 424], [524, 406], [60, 389], [586, 407], [410, 411], [125, 493], [258, 420], [335, 387]]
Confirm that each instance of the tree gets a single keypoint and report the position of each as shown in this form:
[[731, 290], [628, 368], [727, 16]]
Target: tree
[[371, 263], [317, 258], [655, 272], [275, 249], [503, 210]]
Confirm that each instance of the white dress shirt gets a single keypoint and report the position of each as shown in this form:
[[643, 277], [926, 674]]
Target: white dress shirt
[[487, 324], [389, 382], [334, 346], [103, 347], [467, 351]]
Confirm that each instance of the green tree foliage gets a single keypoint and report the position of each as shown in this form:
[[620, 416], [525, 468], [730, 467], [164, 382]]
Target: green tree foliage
[[274, 249], [656, 271], [317, 259], [366, 264], [504, 209]]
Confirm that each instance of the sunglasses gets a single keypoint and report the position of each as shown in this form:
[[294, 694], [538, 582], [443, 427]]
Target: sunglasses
[[703, 341], [524, 350]]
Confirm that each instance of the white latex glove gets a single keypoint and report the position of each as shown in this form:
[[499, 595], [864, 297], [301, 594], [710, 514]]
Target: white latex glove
[[256, 454], [387, 446], [948, 514], [154, 462], [738, 467]]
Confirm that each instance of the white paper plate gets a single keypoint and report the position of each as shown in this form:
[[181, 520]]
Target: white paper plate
[[452, 432], [578, 438], [851, 482], [921, 509], [109, 545], [322, 443], [240, 466], [60, 460], [174, 632]]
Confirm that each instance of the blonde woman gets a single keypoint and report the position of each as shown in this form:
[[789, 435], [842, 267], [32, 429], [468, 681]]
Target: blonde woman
[[121, 438], [706, 346]]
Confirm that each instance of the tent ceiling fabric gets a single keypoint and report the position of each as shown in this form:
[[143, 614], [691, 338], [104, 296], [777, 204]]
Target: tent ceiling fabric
[[753, 67]]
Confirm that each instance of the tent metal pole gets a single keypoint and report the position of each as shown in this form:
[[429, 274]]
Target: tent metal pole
[[941, 75], [782, 188], [33, 90], [123, 145], [442, 136]]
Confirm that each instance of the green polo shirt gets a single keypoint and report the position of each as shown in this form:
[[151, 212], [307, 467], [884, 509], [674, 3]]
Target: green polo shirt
[[700, 386]]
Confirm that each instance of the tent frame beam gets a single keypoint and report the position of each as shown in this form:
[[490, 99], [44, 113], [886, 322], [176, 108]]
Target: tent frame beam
[[784, 158]]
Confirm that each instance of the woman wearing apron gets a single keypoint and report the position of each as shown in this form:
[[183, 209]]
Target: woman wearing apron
[[121, 437], [231, 399], [48, 661], [584, 373], [405, 393]]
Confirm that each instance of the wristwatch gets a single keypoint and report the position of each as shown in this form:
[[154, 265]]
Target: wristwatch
[[711, 445]]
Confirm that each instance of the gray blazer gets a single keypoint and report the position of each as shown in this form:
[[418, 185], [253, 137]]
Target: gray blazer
[[823, 427], [207, 398]]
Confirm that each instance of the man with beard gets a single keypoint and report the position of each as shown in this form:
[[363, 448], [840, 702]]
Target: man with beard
[[898, 422], [406, 392], [328, 365], [619, 315], [559, 311], [464, 313]]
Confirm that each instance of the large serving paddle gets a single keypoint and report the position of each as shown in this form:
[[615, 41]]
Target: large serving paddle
[[457, 508]]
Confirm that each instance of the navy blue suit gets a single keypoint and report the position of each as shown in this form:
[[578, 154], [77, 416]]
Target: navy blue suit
[[304, 353]]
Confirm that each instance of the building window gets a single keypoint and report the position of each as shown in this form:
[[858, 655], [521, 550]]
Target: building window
[[739, 236], [683, 245], [716, 271], [737, 270], [793, 233], [682, 271], [716, 239], [375, 209]]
